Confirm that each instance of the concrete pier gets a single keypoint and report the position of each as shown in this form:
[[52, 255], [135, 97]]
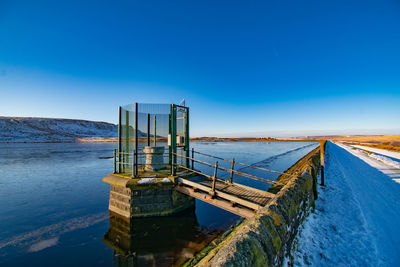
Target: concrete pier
[[133, 198]]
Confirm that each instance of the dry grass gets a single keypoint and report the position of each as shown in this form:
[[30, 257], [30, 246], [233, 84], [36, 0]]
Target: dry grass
[[387, 146], [388, 142], [369, 138]]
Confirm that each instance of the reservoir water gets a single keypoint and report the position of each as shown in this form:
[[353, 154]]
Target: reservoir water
[[54, 206]]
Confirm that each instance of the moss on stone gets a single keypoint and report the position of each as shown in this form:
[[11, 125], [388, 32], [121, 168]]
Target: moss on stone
[[133, 184], [258, 257], [275, 217]]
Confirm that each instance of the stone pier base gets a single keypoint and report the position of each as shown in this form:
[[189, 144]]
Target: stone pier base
[[130, 198]]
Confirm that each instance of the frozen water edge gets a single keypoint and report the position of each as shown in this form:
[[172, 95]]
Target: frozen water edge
[[356, 218]]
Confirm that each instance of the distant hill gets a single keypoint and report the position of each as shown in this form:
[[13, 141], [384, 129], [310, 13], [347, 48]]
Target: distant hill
[[17, 129]]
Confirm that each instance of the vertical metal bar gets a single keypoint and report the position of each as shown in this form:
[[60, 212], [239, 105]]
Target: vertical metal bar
[[133, 169], [123, 160], [115, 161], [192, 158], [148, 129], [155, 130], [233, 166], [214, 177], [126, 156], [187, 137], [119, 138], [173, 139], [322, 151], [170, 135], [135, 161]]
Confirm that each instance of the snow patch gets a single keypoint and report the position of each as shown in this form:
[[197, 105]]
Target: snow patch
[[392, 154], [385, 160], [153, 180]]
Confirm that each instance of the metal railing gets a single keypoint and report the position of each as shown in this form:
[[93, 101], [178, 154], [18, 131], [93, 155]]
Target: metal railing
[[120, 163], [231, 171]]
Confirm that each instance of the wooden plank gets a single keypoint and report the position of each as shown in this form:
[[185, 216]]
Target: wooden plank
[[268, 194], [239, 193], [257, 196], [226, 184], [194, 184], [220, 194], [243, 212]]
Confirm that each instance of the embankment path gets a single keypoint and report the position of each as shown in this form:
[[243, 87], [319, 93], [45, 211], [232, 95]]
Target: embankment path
[[357, 216]]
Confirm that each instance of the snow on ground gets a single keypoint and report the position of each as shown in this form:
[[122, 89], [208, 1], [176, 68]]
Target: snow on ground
[[153, 180], [385, 160], [384, 164], [357, 216], [384, 152]]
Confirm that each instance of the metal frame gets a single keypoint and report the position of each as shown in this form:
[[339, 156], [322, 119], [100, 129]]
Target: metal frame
[[173, 139], [119, 138], [126, 151], [135, 160]]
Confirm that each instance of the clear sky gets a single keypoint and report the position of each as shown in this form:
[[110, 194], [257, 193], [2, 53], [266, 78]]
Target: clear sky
[[244, 67]]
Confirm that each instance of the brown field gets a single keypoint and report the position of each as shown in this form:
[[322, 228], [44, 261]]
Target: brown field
[[388, 142]]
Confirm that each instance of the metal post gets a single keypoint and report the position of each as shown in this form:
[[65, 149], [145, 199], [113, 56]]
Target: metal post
[[173, 139], [192, 158], [148, 129], [133, 169], [119, 138], [155, 130], [135, 161], [214, 178], [322, 144], [115, 161], [187, 137], [233, 166], [126, 156], [123, 160], [170, 134]]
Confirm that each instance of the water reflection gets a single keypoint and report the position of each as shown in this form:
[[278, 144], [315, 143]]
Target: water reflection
[[157, 241]]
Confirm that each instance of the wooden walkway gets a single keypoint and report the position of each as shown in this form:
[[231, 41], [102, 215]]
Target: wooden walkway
[[236, 198]]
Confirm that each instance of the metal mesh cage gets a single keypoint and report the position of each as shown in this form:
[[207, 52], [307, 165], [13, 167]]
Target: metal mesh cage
[[161, 129]]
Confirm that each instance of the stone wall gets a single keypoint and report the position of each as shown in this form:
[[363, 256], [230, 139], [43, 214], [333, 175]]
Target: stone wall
[[266, 239], [130, 199]]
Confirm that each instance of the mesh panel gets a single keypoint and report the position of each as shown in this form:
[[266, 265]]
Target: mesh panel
[[153, 128], [181, 114]]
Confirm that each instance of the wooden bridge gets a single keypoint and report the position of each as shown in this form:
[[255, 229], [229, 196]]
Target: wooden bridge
[[239, 199]]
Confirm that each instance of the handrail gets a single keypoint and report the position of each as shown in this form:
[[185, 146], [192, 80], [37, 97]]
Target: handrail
[[198, 172], [246, 175], [244, 164], [231, 171]]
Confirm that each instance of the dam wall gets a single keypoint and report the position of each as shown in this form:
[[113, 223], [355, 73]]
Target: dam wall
[[266, 239]]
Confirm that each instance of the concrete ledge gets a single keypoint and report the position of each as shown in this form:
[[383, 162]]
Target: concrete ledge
[[116, 179]]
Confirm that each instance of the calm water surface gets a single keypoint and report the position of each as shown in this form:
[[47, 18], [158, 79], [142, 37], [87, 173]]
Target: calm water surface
[[54, 206]]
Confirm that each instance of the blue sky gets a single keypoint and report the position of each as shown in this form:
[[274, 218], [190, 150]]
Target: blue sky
[[244, 67]]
